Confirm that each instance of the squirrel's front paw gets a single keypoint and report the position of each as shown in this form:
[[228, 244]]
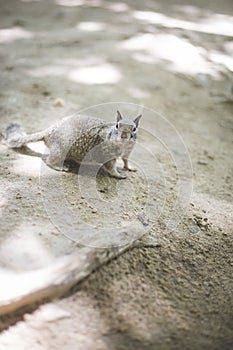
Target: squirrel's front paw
[[129, 168], [111, 169], [119, 175]]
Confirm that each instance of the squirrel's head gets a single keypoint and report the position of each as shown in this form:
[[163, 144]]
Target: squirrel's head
[[125, 130]]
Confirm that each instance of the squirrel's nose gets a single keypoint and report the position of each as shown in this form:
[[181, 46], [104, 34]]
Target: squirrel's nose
[[124, 135]]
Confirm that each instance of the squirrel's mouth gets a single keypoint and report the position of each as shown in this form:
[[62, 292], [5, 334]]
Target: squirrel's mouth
[[124, 139], [125, 136]]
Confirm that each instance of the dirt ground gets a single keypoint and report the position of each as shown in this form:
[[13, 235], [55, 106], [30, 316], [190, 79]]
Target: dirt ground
[[174, 58]]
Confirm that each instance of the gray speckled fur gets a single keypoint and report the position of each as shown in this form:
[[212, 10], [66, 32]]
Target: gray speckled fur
[[82, 138]]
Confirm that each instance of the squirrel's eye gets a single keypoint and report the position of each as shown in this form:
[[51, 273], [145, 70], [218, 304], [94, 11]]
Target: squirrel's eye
[[117, 126], [134, 129]]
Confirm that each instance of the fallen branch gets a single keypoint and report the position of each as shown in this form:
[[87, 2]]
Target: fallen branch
[[19, 290]]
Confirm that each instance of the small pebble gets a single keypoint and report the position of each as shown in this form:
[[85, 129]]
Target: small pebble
[[59, 102], [46, 93], [202, 162], [210, 157], [194, 229]]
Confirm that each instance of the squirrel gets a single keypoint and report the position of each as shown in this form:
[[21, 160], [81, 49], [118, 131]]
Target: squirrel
[[83, 138]]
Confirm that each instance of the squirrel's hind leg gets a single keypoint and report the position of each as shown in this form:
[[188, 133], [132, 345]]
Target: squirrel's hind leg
[[56, 159]]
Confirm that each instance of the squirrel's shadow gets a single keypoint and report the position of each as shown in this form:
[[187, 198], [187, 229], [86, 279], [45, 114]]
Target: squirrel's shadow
[[105, 184], [28, 152], [70, 165]]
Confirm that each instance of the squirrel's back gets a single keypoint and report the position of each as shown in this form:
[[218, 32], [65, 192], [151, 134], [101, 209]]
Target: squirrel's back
[[65, 131]]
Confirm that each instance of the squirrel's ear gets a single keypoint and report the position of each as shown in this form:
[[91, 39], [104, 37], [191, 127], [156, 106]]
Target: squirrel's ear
[[136, 120], [119, 117]]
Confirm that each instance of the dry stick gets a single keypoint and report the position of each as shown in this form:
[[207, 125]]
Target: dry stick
[[19, 290]]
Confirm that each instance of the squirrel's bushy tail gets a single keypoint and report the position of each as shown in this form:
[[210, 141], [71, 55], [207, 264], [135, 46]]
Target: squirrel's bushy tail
[[15, 136]]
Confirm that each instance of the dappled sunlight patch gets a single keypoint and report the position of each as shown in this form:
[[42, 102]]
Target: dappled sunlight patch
[[101, 74], [113, 6], [212, 24], [70, 3], [222, 59], [15, 33], [37, 146], [25, 284], [78, 319], [29, 165], [84, 71], [145, 58], [91, 26], [180, 55], [29, 251], [117, 6]]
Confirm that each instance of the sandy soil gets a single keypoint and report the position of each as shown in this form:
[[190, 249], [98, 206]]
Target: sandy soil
[[176, 59]]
